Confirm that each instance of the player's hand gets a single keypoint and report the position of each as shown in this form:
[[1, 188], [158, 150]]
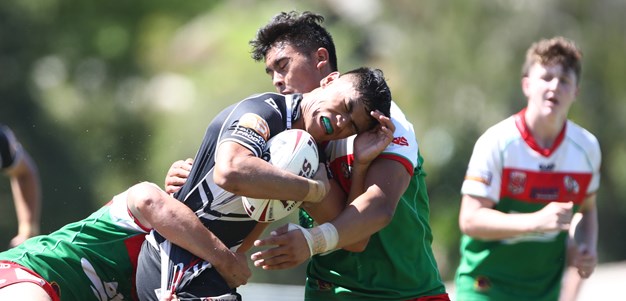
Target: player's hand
[[585, 260], [368, 145], [236, 272], [290, 249], [554, 217], [322, 175], [18, 239], [177, 175]]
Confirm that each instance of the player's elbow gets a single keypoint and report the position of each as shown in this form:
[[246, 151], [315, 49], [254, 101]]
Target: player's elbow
[[358, 247], [144, 201], [465, 225], [228, 177], [469, 227]]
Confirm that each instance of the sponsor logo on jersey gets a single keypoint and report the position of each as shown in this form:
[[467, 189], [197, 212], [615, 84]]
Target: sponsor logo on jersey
[[255, 123], [546, 167], [545, 193], [400, 141], [250, 135], [482, 176], [517, 182]]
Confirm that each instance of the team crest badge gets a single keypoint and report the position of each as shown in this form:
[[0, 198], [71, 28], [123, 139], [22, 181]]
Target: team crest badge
[[571, 185], [517, 182]]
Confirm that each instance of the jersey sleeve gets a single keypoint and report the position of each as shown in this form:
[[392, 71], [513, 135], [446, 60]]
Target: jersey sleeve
[[404, 147], [9, 148], [595, 158], [252, 123], [483, 177]]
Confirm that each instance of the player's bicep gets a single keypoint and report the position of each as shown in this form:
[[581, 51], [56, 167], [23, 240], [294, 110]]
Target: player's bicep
[[387, 179], [470, 205]]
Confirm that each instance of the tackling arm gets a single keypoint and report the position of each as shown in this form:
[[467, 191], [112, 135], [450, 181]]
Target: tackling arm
[[154, 208]]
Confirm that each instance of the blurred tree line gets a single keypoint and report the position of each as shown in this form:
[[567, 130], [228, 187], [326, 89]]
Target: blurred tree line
[[105, 94]]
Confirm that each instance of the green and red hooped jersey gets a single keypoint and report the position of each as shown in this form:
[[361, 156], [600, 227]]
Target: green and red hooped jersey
[[508, 167], [398, 263], [91, 259]]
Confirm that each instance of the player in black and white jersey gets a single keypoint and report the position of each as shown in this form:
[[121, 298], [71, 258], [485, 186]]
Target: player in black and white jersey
[[231, 162]]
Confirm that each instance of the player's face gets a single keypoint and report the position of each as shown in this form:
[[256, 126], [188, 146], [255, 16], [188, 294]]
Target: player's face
[[292, 71], [334, 110], [550, 90]]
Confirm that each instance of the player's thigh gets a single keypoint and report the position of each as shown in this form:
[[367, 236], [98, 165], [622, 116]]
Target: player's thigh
[[24, 291]]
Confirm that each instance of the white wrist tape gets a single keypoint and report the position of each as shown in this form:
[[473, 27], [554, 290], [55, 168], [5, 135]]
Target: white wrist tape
[[317, 191], [320, 239]]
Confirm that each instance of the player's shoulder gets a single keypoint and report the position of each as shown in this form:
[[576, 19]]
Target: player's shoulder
[[502, 131], [263, 102], [404, 127], [580, 134], [265, 98], [583, 139]]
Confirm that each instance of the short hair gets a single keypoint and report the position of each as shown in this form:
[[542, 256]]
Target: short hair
[[302, 31], [557, 50], [372, 87]]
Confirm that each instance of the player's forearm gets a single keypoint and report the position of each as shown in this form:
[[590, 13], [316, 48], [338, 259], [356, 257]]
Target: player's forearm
[[154, 208], [245, 176], [26, 191], [489, 224], [363, 217], [384, 184], [587, 230]]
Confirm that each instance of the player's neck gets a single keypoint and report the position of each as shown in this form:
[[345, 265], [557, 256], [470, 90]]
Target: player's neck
[[545, 131]]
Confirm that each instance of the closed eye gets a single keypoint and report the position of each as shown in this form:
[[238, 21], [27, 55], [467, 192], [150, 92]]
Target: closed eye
[[349, 109]]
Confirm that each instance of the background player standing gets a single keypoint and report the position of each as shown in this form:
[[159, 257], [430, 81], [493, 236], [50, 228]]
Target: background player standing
[[527, 176]]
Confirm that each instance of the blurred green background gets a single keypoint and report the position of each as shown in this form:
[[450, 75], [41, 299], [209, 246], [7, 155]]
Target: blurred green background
[[105, 94]]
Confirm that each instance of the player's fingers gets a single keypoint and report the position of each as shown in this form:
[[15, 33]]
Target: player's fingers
[[269, 253], [281, 266], [272, 240], [276, 263], [383, 120]]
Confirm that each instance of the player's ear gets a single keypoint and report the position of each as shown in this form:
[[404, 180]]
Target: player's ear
[[525, 84], [329, 79], [321, 57]]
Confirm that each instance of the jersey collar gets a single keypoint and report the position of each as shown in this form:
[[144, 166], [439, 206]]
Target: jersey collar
[[294, 111], [521, 125]]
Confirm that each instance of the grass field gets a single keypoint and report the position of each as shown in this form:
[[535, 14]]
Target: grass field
[[607, 283]]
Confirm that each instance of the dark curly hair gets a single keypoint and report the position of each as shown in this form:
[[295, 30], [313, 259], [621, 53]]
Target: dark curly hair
[[372, 87], [302, 31]]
